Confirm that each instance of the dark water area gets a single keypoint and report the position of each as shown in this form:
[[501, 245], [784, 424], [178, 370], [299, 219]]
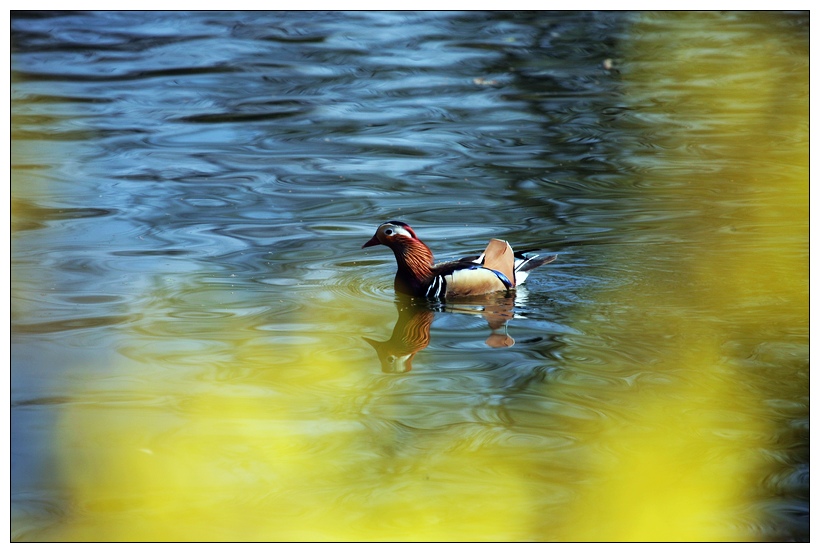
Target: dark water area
[[201, 350]]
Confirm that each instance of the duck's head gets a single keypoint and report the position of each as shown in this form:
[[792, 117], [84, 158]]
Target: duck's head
[[390, 234]]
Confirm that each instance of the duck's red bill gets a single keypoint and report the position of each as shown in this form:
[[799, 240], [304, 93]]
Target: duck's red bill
[[372, 242]]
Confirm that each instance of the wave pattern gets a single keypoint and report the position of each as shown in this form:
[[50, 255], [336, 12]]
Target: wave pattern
[[190, 193]]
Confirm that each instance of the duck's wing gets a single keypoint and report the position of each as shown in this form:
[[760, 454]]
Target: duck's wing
[[523, 262], [465, 278]]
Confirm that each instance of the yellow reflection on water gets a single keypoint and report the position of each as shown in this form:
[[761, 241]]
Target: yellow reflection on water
[[288, 453], [685, 470], [680, 472]]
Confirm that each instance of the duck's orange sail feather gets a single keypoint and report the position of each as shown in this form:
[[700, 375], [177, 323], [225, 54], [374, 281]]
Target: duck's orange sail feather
[[499, 256]]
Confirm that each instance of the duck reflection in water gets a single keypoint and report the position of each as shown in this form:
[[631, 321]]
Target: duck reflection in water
[[411, 333]]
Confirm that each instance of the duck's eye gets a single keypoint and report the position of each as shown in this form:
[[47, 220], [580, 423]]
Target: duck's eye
[[388, 232]]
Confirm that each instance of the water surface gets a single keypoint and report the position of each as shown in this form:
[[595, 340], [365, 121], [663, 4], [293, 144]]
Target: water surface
[[201, 350]]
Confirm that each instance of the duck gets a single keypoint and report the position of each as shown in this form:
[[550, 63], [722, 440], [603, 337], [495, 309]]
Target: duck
[[497, 269]]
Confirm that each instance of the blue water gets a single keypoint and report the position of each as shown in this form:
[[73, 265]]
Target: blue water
[[190, 193]]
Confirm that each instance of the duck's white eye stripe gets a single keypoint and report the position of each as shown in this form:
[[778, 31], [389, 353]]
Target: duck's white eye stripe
[[395, 229]]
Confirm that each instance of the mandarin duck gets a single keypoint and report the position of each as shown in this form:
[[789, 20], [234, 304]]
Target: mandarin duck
[[495, 270]]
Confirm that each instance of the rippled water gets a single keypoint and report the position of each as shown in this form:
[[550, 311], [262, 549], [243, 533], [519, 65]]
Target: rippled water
[[201, 350]]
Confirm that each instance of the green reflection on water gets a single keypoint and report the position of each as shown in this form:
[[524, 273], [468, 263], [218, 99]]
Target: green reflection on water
[[280, 427]]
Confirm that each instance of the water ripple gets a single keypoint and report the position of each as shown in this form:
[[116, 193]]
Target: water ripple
[[190, 196]]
